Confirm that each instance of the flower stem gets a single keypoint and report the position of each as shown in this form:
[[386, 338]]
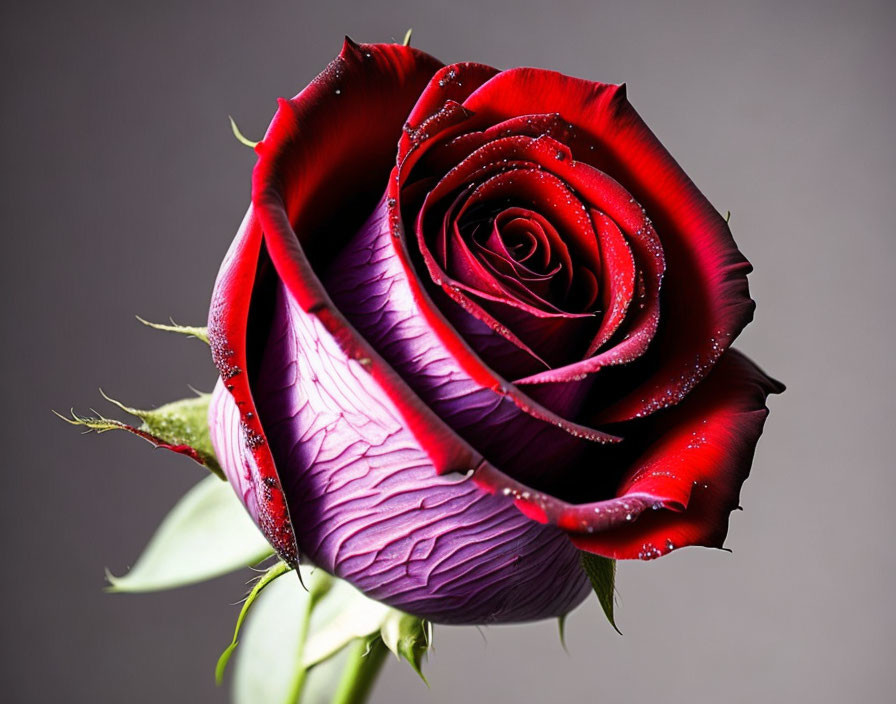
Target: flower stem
[[319, 584], [364, 664], [298, 684]]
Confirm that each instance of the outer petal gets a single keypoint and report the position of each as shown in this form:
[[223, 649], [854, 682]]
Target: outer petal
[[333, 147], [328, 151], [369, 507], [698, 464], [229, 440], [249, 465], [706, 299]]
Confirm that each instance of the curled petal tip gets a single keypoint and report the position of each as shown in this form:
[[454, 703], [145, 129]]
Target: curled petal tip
[[350, 48]]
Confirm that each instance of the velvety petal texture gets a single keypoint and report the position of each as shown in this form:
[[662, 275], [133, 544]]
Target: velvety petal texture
[[368, 506], [475, 322]]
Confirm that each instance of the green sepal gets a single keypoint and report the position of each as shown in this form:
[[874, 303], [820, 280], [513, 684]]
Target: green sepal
[[200, 333], [407, 637], [277, 570], [601, 572], [561, 628], [179, 426], [207, 534], [240, 137]]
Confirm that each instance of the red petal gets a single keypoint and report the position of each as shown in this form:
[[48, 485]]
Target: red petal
[[324, 136], [618, 281], [451, 84], [613, 201], [227, 325], [706, 298], [600, 191], [380, 80], [373, 290], [469, 363], [337, 137], [696, 467]]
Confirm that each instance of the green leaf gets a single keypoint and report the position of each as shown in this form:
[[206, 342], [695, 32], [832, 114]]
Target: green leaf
[[323, 679], [407, 637], [179, 426], [200, 333], [268, 666], [277, 570], [345, 614], [208, 533], [602, 573], [407, 37], [294, 642]]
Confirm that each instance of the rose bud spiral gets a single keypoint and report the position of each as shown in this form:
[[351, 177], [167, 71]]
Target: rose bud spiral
[[473, 323]]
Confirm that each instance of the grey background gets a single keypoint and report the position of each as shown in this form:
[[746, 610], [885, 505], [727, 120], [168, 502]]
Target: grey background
[[122, 187]]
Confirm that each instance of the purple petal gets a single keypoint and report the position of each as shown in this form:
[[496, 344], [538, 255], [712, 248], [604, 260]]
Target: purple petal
[[368, 506], [368, 285]]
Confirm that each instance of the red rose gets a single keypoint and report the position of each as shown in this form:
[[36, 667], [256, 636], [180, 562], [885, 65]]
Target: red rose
[[474, 321]]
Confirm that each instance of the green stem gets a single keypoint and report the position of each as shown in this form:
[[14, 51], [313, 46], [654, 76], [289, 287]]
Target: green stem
[[364, 664], [298, 684], [320, 583]]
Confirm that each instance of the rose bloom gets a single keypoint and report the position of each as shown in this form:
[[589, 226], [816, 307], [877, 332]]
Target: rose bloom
[[473, 323]]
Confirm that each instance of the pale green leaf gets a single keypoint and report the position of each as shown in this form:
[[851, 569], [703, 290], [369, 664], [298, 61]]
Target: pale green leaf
[[208, 533], [323, 679], [343, 615], [407, 37], [268, 665], [602, 573]]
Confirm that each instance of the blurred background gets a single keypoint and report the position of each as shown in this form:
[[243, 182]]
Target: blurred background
[[122, 187]]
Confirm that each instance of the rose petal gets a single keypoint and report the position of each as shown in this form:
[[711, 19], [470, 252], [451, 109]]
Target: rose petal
[[706, 299], [369, 506], [373, 290], [381, 78], [697, 465], [618, 282], [339, 131], [250, 463], [691, 476], [281, 186], [451, 84]]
